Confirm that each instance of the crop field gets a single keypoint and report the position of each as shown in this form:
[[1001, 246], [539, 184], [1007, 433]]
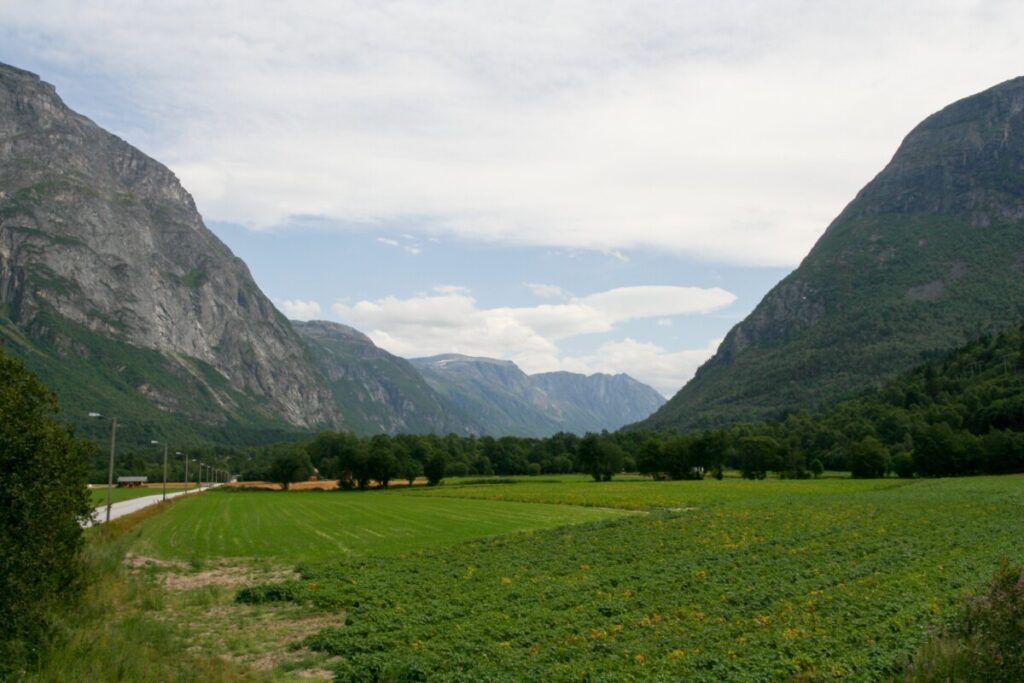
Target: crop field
[[747, 581], [307, 526], [644, 494]]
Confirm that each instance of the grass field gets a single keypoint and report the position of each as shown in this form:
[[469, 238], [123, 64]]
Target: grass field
[[745, 581], [309, 526], [644, 494], [98, 494]]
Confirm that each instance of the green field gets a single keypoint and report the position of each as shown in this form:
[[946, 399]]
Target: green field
[[746, 581], [644, 494], [312, 525]]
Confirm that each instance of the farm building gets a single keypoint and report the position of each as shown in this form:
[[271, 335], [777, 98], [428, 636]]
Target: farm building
[[131, 482]]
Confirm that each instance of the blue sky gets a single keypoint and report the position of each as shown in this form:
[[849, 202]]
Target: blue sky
[[589, 185]]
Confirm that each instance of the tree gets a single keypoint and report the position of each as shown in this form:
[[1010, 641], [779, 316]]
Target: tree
[[435, 467], [410, 468], [290, 466], [903, 464], [758, 454], [816, 468], [600, 456], [43, 487], [868, 458], [381, 461]]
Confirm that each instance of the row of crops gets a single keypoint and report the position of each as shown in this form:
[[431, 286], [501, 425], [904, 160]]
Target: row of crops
[[843, 584]]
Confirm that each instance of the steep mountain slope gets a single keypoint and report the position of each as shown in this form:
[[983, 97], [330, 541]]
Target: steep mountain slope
[[929, 254], [496, 393], [376, 391], [508, 402], [116, 293], [591, 403]]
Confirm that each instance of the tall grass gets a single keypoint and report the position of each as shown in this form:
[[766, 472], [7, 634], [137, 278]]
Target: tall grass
[[983, 642], [114, 633]]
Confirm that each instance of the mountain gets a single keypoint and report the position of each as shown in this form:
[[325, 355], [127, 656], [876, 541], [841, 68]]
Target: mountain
[[376, 391], [591, 403], [119, 297], [508, 402], [928, 255]]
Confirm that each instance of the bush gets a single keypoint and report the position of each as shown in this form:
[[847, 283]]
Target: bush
[[456, 469], [993, 627], [983, 643], [43, 487]]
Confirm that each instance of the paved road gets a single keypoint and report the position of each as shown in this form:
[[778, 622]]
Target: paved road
[[126, 507]]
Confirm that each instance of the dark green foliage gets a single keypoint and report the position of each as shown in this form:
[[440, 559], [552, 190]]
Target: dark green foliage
[[758, 455], [435, 467], [42, 486], [290, 466], [600, 457], [381, 463], [868, 458]]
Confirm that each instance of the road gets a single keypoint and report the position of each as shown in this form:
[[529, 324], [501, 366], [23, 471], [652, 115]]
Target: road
[[126, 507]]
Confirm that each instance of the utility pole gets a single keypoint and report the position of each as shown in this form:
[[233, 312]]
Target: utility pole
[[110, 467], [186, 467], [157, 443]]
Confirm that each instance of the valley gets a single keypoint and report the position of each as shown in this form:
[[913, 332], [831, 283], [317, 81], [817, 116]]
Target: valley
[[742, 580], [470, 483]]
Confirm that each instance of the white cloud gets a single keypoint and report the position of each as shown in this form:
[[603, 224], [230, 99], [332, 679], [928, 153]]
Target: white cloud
[[733, 130], [297, 309], [448, 320], [664, 322], [412, 249], [547, 291], [388, 241]]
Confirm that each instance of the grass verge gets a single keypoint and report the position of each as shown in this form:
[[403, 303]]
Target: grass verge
[[112, 634]]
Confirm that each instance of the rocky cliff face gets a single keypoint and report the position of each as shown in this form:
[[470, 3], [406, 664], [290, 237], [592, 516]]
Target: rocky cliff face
[[376, 391], [591, 403], [929, 254], [506, 401], [95, 236]]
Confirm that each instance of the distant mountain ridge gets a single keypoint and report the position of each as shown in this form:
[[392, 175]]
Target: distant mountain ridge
[[928, 255], [376, 391], [507, 401]]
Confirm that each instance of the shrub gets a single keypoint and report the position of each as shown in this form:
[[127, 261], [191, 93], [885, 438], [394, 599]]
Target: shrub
[[983, 643], [43, 488]]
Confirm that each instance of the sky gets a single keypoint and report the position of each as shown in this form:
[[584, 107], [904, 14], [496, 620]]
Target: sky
[[590, 186]]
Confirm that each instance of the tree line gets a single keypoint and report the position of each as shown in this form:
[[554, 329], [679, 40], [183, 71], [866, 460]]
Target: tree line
[[960, 413]]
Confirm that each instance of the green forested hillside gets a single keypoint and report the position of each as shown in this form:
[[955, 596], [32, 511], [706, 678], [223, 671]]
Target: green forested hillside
[[960, 413], [928, 255]]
